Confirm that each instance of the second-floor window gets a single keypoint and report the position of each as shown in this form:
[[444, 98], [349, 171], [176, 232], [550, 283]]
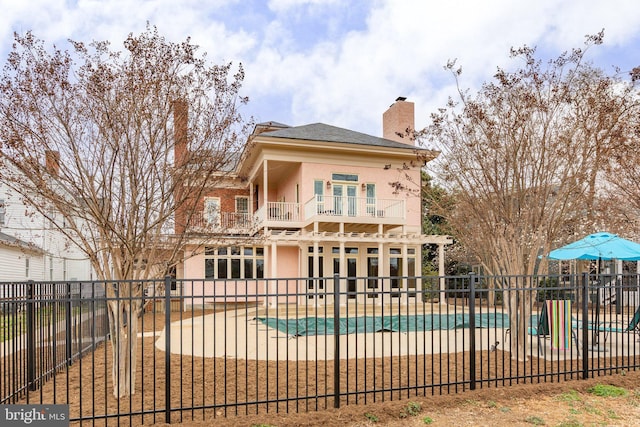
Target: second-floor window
[[347, 177], [2, 211], [242, 204], [371, 199], [318, 191]]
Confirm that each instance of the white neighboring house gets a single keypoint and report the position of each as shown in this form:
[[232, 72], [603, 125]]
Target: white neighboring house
[[31, 248], [20, 260]]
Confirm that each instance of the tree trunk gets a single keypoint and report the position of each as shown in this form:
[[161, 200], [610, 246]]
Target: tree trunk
[[123, 325], [519, 310]]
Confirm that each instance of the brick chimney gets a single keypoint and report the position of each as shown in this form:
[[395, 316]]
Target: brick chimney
[[52, 162], [180, 150], [180, 129], [399, 118]]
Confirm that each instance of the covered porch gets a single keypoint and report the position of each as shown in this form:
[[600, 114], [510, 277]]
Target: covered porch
[[380, 268]]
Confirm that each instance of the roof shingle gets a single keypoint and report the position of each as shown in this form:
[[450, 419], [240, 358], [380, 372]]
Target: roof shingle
[[323, 132]]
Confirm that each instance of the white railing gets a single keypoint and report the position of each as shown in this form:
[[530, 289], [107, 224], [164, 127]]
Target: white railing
[[221, 222], [354, 207], [288, 212], [283, 211]]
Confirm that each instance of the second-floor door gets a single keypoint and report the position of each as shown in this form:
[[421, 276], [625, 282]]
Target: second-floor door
[[212, 211], [345, 205]]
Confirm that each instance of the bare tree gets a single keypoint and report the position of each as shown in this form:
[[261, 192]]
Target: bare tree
[[131, 139], [522, 159]]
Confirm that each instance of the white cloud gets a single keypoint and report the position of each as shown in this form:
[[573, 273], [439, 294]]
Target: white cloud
[[286, 5], [339, 62], [349, 82]]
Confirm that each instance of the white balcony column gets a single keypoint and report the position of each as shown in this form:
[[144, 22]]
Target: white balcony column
[[405, 273], [265, 193], [274, 274], [316, 273]]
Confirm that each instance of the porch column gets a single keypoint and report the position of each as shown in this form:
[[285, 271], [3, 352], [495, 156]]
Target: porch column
[[274, 274], [343, 267], [381, 269], [418, 273], [265, 193], [316, 272], [405, 273], [441, 297]]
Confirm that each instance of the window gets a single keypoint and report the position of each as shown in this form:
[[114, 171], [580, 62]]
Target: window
[[372, 272], [234, 262], [26, 267], [242, 204], [51, 267], [371, 199], [212, 211], [344, 177], [311, 283], [3, 211], [411, 281], [318, 192], [395, 270]]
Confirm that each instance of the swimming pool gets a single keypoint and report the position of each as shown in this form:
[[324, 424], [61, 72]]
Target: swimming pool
[[310, 326]]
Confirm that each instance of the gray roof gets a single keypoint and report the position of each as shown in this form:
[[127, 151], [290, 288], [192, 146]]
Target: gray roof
[[273, 124], [322, 132], [14, 241]]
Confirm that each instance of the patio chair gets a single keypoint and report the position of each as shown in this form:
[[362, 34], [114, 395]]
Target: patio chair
[[634, 324], [608, 326]]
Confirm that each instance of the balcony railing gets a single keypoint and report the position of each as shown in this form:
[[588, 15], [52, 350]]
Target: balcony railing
[[274, 213], [281, 212], [341, 206], [222, 222]]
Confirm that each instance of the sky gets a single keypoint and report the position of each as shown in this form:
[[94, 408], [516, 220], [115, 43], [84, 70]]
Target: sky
[[343, 62]]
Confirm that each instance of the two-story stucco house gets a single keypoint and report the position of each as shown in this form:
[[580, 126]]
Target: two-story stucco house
[[313, 201]]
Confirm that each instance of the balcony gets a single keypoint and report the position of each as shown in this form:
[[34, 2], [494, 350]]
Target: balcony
[[358, 209], [279, 213], [336, 209], [224, 222]]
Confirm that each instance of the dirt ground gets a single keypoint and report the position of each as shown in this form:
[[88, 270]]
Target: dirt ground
[[87, 388], [568, 404]]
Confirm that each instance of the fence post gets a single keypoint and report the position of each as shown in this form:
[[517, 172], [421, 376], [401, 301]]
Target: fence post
[[336, 341], [585, 329], [68, 333], [472, 332], [167, 348], [31, 337]]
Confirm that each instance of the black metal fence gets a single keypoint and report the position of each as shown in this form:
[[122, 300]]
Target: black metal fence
[[237, 347], [44, 328]]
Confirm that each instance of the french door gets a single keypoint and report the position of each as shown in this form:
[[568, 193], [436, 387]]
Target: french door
[[345, 205]]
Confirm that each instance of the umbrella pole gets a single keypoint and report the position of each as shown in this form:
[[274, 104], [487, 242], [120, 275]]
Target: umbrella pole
[[595, 338]]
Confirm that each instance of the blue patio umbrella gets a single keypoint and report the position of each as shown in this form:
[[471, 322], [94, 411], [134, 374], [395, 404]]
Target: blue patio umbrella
[[599, 246]]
